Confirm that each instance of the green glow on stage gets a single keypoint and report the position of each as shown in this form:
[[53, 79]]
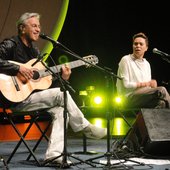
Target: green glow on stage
[[57, 28]]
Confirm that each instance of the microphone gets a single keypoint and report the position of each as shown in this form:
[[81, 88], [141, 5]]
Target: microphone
[[56, 43], [156, 51], [45, 37], [40, 57]]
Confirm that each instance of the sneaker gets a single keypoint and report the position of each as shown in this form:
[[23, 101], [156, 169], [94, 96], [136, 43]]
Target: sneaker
[[94, 132]]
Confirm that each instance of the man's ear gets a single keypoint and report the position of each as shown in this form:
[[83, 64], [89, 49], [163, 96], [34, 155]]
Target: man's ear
[[147, 48], [22, 29]]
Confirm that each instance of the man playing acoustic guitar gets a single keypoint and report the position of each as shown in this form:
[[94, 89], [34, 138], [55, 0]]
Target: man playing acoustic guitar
[[20, 49]]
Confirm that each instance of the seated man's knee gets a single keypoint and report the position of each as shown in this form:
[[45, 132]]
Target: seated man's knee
[[162, 92]]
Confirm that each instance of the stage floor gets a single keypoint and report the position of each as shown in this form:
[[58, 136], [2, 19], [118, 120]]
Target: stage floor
[[96, 150]]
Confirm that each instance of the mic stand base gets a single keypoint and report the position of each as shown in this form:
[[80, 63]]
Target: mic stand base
[[108, 154], [65, 154], [64, 163]]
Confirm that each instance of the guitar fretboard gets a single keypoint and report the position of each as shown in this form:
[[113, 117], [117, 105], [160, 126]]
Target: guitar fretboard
[[57, 69]]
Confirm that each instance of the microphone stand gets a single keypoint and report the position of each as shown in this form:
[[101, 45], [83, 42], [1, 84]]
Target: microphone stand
[[109, 76], [109, 83], [166, 59], [68, 51], [4, 162], [64, 87]]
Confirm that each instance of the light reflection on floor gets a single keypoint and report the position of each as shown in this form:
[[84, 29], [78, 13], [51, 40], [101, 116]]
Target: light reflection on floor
[[119, 121], [118, 126]]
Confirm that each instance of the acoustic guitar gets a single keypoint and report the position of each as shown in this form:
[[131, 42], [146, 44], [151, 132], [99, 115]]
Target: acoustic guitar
[[16, 90]]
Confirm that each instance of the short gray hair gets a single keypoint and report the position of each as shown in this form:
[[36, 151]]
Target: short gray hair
[[24, 17]]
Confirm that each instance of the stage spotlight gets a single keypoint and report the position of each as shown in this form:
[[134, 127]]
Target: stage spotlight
[[118, 99], [98, 100]]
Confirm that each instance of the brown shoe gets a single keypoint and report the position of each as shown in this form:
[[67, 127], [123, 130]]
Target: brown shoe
[[94, 132]]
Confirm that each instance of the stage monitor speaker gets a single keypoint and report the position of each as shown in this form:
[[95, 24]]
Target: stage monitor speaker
[[151, 131]]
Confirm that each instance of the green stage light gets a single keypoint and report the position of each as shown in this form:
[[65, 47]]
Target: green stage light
[[57, 27], [63, 59], [94, 98], [118, 99], [98, 100], [83, 93]]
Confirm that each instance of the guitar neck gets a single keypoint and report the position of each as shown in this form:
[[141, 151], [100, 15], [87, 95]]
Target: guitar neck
[[57, 69]]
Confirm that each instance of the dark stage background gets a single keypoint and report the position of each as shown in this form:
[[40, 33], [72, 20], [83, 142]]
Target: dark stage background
[[105, 28]]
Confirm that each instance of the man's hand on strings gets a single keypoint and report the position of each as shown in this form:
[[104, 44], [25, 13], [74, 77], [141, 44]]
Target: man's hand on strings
[[25, 74], [66, 72]]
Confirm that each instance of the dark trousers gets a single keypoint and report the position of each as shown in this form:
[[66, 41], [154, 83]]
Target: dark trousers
[[149, 98]]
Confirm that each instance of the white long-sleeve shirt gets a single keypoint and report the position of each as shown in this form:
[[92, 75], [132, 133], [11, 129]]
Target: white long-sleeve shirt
[[132, 71]]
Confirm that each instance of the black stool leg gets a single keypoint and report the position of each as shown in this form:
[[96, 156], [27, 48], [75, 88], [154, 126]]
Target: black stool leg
[[22, 139], [43, 135]]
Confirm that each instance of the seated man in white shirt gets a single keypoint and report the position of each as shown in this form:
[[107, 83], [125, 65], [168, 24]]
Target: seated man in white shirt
[[137, 86]]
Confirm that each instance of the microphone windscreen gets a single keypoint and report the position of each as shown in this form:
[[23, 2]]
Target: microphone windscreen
[[154, 50], [42, 35]]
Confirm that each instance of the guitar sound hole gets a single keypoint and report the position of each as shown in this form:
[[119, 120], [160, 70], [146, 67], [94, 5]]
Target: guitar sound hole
[[36, 75]]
